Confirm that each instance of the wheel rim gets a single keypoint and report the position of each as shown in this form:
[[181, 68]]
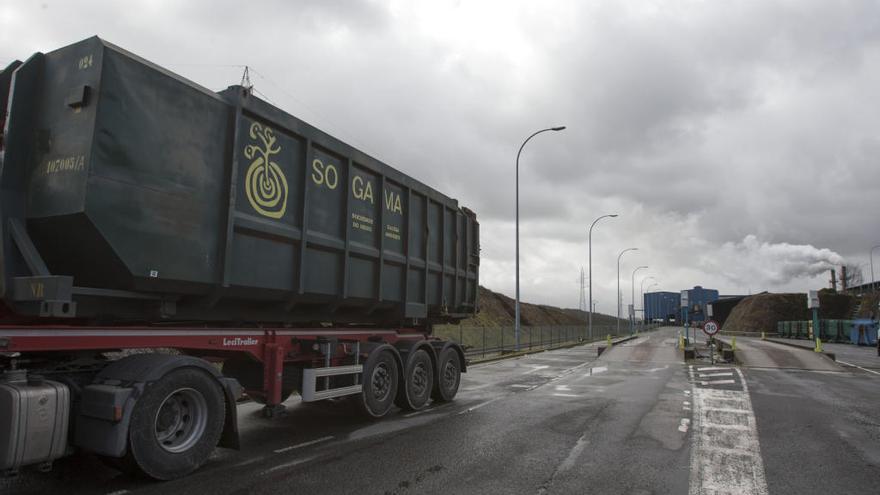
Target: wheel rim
[[381, 382], [420, 380], [450, 375], [181, 420]]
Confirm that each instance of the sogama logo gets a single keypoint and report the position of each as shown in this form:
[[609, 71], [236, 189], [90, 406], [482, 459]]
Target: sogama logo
[[265, 184]]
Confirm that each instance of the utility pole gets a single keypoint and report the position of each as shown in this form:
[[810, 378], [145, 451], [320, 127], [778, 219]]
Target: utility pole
[[619, 295]]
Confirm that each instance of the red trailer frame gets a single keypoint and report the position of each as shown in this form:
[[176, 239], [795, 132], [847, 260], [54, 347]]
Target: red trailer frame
[[273, 347]]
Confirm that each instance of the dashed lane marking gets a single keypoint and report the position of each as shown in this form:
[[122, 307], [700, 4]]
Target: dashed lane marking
[[566, 395], [474, 408], [537, 367], [713, 368], [426, 410], [304, 444], [288, 464]]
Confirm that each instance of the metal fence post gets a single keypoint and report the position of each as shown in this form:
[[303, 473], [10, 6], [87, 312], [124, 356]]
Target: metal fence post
[[460, 339], [502, 339], [484, 341]]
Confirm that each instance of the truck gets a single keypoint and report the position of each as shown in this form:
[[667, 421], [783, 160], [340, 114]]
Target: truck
[[167, 251]]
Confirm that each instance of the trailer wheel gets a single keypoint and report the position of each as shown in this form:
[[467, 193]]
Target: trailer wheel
[[379, 384], [176, 424], [418, 382], [446, 385]]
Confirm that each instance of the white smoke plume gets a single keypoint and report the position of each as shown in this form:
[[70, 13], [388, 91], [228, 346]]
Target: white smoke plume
[[754, 263]]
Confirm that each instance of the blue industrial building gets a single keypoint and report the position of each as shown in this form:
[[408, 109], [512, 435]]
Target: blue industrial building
[[662, 306], [698, 298], [666, 306]]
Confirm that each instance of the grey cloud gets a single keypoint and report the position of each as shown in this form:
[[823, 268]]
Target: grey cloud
[[702, 123]]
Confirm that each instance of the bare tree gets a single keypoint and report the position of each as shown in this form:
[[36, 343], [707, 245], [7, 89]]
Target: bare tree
[[854, 276]]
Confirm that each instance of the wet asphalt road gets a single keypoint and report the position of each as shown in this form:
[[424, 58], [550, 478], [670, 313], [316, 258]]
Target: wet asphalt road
[[636, 420]]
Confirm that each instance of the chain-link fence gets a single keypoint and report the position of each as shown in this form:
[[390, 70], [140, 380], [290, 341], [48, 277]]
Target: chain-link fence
[[487, 341]]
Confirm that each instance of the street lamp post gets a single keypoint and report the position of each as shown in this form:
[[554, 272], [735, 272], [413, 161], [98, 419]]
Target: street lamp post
[[872, 266], [590, 263], [655, 284], [642, 293], [559, 128], [618, 285], [632, 294]]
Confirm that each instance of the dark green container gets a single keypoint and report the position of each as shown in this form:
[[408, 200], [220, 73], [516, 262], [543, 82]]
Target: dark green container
[[130, 193]]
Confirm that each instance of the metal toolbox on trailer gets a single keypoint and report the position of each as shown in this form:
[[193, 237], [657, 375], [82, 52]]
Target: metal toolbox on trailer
[[35, 415]]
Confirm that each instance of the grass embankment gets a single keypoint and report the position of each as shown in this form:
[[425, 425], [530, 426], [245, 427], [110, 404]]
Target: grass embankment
[[761, 312], [493, 325]]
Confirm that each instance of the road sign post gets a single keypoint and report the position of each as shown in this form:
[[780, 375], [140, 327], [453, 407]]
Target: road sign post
[[710, 328], [813, 304]]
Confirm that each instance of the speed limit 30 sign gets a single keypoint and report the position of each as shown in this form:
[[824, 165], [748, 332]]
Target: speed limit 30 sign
[[711, 327]]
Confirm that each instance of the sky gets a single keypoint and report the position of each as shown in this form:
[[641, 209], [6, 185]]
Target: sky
[[737, 141]]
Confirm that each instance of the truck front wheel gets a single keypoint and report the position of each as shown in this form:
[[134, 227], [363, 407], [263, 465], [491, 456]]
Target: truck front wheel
[[176, 424]]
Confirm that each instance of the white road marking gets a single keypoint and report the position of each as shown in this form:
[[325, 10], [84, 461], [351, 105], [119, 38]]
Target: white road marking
[[717, 382], [566, 395], [477, 387], [713, 368], [118, 492], [520, 385], [430, 409], [654, 370], [537, 367], [563, 388], [711, 375], [574, 453], [252, 460], [304, 444], [474, 408], [856, 366], [287, 465], [726, 454]]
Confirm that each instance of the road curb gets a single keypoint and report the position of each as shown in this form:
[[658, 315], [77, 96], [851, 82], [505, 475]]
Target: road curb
[[535, 351], [830, 355]]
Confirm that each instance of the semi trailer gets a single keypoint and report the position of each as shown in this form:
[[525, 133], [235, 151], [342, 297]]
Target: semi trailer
[[166, 250]]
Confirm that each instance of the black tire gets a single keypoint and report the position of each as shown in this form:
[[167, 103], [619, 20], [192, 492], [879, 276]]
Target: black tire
[[175, 424], [448, 375], [380, 382], [418, 382]]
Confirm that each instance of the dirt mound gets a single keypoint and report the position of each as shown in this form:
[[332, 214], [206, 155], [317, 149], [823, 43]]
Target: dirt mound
[[761, 312], [499, 310]]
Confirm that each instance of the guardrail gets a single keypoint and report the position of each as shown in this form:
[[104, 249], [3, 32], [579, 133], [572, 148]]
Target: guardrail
[[863, 331], [487, 341]]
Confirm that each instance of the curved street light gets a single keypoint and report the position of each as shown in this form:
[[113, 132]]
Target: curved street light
[[632, 288], [617, 302], [590, 263], [642, 292], [655, 284], [872, 266], [558, 128]]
